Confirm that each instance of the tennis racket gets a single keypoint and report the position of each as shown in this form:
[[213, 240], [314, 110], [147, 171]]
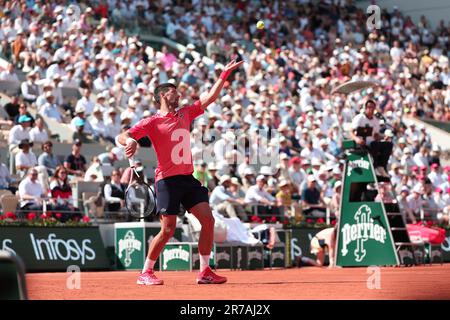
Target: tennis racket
[[140, 198]]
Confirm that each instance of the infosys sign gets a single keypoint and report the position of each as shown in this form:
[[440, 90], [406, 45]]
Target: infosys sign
[[54, 249]]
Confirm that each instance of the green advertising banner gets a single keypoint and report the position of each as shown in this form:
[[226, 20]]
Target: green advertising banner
[[300, 241], [446, 247], [176, 256], [131, 243], [255, 257], [223, 256], [130, 248], [364, 236], [55, 248]]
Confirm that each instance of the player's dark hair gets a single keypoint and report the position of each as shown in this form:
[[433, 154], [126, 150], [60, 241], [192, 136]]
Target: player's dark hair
[[370, 101], [162, 88]]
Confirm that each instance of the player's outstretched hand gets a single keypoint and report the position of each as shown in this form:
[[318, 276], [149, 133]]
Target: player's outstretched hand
[[233, 65]]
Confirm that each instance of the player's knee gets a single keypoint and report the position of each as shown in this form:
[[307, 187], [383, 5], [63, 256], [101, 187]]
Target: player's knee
[[207, 221], [168, 232]]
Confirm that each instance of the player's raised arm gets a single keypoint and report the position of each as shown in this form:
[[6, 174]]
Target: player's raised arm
[[217, 87]]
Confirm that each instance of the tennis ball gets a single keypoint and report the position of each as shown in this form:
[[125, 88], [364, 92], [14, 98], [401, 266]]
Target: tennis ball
[[260, 25]]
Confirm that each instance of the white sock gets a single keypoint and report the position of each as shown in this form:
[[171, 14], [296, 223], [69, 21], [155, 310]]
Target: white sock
[[149, 264], [204, 262]]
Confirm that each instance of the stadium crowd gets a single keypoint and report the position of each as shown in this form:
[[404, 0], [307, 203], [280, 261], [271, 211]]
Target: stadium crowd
[[283, 90]]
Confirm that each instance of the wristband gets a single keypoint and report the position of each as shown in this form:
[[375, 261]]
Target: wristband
[[224, 75], [129, 140]]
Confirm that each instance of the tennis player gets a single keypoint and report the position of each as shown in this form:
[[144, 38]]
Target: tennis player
[[169, 132]]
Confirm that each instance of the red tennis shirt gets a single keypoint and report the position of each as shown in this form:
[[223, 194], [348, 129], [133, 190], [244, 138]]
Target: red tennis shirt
[[170, 136]]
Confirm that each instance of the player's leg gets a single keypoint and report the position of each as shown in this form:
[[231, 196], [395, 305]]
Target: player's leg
[[168, 206], [203, 213], [168, 225]]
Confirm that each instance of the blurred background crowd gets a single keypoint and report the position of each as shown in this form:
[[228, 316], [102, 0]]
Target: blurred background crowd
[[283, 89]]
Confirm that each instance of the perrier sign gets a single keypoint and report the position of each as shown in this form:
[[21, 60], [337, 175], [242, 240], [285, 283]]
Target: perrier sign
[[364, 236], [176, 256]]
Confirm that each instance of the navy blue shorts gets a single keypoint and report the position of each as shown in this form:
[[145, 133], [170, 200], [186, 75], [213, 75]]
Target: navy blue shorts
[[176, 190]]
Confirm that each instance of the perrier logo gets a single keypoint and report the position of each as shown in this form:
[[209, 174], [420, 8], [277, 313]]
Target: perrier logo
[[176, 253], [128, 244], [363, 230], [360, 163]]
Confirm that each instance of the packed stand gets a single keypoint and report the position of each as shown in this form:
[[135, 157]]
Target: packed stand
[[281, 98]]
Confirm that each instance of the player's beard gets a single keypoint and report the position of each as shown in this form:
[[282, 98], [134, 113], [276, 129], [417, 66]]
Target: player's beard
[[174, 104]]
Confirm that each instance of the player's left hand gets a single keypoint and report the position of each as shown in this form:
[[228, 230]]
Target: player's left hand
[[233, 65]]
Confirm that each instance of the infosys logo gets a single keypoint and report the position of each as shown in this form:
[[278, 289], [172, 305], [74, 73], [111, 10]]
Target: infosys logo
[[59, 249]]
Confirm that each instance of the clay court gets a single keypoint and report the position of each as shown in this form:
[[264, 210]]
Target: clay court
[[422, 282]]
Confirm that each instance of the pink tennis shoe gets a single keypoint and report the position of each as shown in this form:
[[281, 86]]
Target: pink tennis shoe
[[149, 278]]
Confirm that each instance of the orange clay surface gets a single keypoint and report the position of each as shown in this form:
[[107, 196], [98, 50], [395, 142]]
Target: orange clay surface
[[422, 282]]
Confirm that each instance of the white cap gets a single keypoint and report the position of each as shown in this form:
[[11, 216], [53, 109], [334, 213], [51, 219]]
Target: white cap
[[284, 156], [407, 150], [402, 140], [337, 184], [224, 178], [80, 109], [282, 183], [248, 171], [265, 170], [388, 133], [142, 86], [418, 188], [311, 178], [260, 177], [337, 171]]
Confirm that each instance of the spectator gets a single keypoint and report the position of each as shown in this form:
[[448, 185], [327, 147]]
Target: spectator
[[12, 107], [257, 194], [312, 200], [80, 114], [31, 192], [5, 179], [75, 163], [19, 132], [284, 200], [50, 109], [111, 157], [48, 159], [9, 74], [61, 191], [38, 133], [415, 201], [95, 171], [114, 193], [25, 158], [29, 88], [97, 124], [407, 212], [24, 112], [224, 202], [80, 133], [201, 174]]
